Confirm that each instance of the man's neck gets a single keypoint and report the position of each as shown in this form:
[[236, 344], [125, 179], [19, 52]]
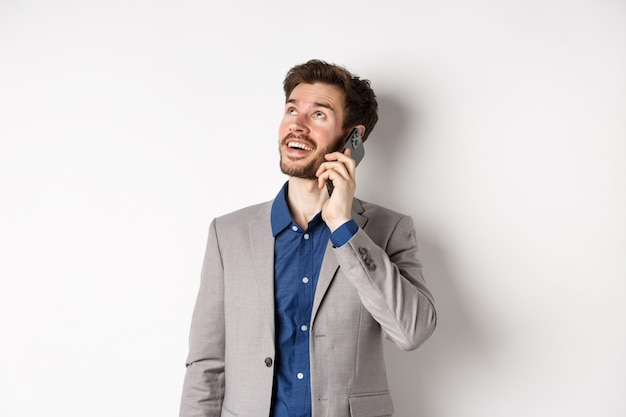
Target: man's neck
[[305, 200]]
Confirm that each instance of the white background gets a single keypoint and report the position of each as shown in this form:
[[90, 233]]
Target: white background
[[126, 126]]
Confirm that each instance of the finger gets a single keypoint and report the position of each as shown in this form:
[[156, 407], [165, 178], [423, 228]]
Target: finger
[[329, 173], [336, 166], [340, 158], [346, 158], [337, 173]]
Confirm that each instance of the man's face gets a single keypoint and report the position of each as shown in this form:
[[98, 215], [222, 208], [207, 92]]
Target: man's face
[[311, 128]]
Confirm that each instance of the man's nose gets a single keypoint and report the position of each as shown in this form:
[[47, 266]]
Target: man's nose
[[299, 124]]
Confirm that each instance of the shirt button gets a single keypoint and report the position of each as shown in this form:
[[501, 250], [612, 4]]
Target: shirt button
[[268, 362], [306, 236], [304, 328], [294, 228], [305, 280], [300, 375]]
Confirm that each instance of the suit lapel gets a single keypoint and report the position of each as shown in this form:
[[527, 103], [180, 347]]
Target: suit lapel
[[262, 247], [330, 265], [327, 273]]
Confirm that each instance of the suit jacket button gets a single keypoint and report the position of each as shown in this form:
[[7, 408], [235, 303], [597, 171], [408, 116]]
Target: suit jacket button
[[268, 362]]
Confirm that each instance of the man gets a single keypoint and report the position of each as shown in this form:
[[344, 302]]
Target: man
[[297, 294]]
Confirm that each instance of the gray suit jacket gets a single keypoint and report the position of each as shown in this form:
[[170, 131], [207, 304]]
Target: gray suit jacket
[[371, 287]]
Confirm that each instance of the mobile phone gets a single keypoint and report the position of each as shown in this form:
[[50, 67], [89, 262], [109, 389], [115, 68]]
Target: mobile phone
[[354, 142]]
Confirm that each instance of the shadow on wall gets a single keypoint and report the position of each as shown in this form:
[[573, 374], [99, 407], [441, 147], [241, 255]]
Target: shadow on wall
[[382, 150], [418, 378]]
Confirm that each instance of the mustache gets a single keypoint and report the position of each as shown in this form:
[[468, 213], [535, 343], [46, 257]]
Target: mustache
[[303, 138]]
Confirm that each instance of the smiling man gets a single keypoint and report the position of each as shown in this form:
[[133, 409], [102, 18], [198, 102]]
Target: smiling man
[[298, 293]]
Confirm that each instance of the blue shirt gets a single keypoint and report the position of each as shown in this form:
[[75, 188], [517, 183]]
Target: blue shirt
[[298, 256]]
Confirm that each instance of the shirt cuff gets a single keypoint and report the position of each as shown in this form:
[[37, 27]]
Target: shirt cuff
[[344, 233]]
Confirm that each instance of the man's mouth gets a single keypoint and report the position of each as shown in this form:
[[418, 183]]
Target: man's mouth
[[299, 145]]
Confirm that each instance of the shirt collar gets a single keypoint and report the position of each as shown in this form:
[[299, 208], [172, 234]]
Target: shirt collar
[[280, 217]]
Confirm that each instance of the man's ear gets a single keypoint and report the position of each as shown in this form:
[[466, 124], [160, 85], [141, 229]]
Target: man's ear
[[361, 129]]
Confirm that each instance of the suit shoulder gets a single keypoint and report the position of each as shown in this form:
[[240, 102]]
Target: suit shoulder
[[372, 210], [245, 214]]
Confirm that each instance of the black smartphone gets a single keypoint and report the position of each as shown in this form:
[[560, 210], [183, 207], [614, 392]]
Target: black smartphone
[[354, 142]]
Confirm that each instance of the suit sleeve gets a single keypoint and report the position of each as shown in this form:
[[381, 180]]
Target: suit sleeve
[[390, 284], [203, 388]]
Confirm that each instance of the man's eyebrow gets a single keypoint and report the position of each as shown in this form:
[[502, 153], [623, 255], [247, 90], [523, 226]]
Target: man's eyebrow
[[315, 104]]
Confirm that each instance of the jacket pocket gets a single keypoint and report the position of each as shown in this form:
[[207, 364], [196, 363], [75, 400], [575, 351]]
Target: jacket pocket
[[376, 404]]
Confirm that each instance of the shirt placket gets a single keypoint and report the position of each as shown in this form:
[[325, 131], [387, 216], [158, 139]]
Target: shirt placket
[[305, 303]]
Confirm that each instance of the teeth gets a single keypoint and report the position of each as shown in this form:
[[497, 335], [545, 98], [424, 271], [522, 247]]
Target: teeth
[[298, 145]]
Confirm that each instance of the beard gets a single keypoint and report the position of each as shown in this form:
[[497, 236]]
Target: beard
[[308, 170]]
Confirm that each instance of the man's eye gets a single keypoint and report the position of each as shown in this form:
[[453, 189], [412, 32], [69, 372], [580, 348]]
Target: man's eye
[[291, 111], [319, 115]]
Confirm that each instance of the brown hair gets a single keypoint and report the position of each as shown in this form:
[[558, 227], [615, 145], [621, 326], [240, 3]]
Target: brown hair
[[360, 101]]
